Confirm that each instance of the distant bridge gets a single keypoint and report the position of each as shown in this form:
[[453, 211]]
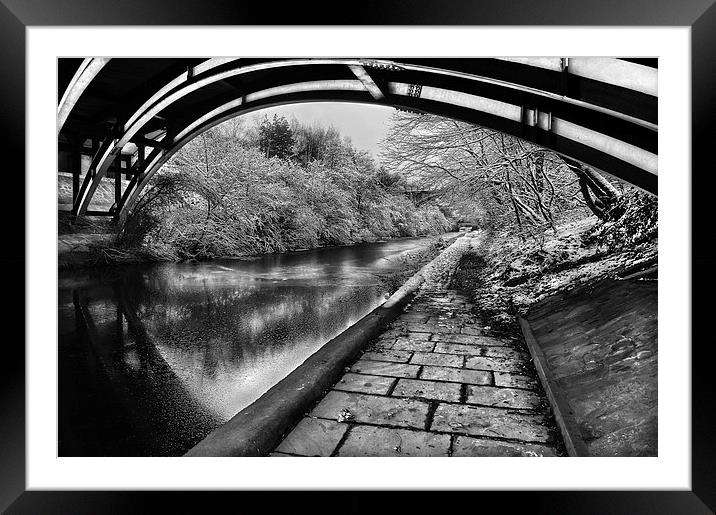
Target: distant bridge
[[129, 116], [421, 195]]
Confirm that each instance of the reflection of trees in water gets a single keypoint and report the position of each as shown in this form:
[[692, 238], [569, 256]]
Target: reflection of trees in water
[[233, 319], [237, 327], [158, 413]]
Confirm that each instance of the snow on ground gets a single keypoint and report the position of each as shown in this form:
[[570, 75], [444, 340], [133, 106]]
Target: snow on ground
[[507, 276]]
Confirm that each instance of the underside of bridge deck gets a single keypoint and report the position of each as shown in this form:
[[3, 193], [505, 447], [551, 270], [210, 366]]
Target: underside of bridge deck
[[128, 116]]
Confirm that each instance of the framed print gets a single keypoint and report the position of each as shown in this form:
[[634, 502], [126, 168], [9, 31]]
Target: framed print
[[434, 237]]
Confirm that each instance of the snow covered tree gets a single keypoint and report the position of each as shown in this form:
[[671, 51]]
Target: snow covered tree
[[276, 137]]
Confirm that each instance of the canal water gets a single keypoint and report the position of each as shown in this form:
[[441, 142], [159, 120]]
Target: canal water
[[153, 357]]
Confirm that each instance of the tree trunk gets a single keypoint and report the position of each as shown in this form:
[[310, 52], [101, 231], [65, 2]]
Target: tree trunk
[[584, 186], [603, 183], [591, 183]]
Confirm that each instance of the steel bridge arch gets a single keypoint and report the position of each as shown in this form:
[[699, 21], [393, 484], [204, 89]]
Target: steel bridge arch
[[601, 112]]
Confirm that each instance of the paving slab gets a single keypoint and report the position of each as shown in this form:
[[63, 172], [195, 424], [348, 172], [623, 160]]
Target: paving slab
[[419, 318], [516, 381], [505, 353], [473, 330], [381, 441], [393, 332], [469, 339], [362, 383], [413, 345], [373, 409], [453, 316], [490, 422], [444, 328], [502, 397], [412, 335], [424, 308], [495, 364], [313, 437], [465, 446], [441, 360], [396, 356], [456, 348], [456, 375], [382, 343], [434, 390], [420, 328], [385, 368]]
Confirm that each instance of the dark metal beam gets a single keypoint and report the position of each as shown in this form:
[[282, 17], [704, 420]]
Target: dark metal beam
[[76, 168], [63, 146], [367, 81], [98, 213], [153, 143], [117, 186]]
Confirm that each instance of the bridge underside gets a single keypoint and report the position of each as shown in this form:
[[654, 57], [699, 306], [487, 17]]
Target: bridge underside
[[126, 117]]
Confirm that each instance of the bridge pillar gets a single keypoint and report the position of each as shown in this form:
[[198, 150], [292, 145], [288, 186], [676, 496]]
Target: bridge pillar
[[141, 156], [536, 124], [76, 167], [117, 185]]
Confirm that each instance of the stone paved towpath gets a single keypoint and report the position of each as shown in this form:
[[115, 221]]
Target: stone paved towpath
[[436, 383]]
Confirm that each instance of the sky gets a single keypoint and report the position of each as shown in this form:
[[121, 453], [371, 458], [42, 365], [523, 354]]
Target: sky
[[364, 124]]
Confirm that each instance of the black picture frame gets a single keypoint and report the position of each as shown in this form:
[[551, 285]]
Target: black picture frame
[[16, 15]]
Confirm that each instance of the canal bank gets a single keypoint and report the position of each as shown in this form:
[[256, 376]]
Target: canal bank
[[87, 243]]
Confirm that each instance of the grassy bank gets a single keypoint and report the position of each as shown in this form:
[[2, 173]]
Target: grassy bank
[[505, 276], [85, 251]]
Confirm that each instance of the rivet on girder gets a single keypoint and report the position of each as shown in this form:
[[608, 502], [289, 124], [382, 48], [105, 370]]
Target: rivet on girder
[[380, 65], [414, 90], [408, 110]]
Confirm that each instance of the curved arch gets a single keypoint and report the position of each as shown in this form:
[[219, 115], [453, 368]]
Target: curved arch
[[88, 70], [607, 133]]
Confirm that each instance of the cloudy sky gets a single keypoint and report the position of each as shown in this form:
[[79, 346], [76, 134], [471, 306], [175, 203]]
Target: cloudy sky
[[366, 125]]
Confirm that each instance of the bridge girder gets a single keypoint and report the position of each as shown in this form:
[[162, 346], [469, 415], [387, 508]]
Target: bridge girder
[[610, 126]]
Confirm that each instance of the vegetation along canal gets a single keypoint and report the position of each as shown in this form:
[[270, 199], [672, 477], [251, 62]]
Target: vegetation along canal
[[164, 353]]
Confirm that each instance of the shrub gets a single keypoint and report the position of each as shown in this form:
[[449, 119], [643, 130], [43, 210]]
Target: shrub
[[637, 223]]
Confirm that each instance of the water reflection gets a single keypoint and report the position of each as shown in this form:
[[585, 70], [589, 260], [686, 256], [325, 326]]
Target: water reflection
[[154, 357]]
